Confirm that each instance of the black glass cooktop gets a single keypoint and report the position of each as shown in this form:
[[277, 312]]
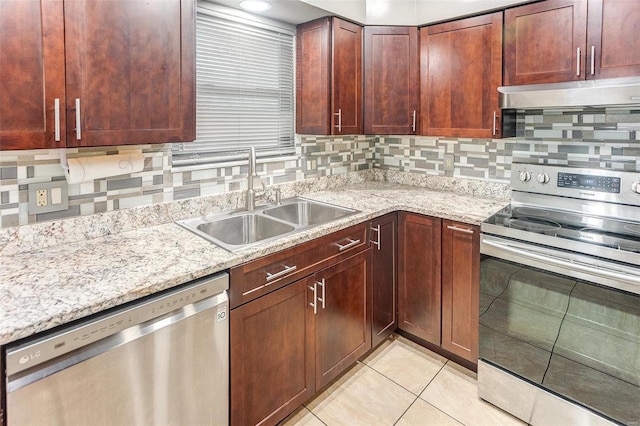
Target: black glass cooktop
[[600, 231]]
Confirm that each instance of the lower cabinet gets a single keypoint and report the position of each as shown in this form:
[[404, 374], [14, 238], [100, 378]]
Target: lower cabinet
[[384, 246], [460, 289], [419, 289], [272, 355], [291, 342], [438, 282]]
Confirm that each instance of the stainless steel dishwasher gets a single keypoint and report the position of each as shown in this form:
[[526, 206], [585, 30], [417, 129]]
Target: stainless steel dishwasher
[[163, 361]]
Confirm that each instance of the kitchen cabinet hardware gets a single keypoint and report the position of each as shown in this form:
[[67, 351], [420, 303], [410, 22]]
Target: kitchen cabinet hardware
[[634, 98], [593, 60], [314, 304], [578, 57], [351, 243], [285, 271], [56, 118], [376, 229], [456, 228], [78, 120], [339, 114], [495, 117], [413, 121], [321, 283]]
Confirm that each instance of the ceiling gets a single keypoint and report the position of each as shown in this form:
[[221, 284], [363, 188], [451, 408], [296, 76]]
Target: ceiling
[[377, 12]]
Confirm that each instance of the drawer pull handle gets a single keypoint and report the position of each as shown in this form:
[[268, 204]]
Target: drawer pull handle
[[465, 230], [314, 304], [321, 284], [56, 118], [350, 244], [285, 271], [377, 231]]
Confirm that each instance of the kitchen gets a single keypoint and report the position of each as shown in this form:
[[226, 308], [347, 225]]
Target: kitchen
[[139, 208]]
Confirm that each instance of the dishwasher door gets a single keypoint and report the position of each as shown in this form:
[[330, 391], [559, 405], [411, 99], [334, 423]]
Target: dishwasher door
[[164, 362]]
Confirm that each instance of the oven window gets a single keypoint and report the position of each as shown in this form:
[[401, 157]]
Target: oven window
[[572, 337]]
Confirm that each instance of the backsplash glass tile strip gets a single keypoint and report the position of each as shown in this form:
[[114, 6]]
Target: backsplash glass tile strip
[[159, 183]]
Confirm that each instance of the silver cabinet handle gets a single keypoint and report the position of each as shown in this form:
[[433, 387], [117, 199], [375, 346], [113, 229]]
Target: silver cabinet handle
[[413, 118], [285, 271], [56, 118], [339, 114], [321, 284], [455, 228], [314, 304], [634, 98], [495, 118], [78, 122], [350, 244], [377, 231], [593, 60], [578, 61]]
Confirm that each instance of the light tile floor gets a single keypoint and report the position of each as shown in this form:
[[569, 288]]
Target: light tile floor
[[401, 383]]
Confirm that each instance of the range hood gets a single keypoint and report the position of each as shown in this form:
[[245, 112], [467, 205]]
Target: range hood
[[605, 92]]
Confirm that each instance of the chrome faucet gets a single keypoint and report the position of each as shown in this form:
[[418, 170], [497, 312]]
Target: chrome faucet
[[250, 198]]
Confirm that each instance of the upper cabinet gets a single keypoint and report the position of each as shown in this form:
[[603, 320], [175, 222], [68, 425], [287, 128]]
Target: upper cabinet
[[31, 75], [566, 40], [329, 77], [100, 73], [460, 72], [391, 80], [612, 38]]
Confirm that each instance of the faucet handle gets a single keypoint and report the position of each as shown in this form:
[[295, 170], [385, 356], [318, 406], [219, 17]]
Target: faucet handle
[[278, 196]]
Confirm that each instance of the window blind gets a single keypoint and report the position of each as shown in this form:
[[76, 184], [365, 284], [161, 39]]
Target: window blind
[[244, 90]]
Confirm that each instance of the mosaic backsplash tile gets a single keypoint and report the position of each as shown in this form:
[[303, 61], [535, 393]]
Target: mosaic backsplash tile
[[592, 137]]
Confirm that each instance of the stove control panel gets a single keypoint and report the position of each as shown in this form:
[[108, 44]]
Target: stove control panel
[[589, 182], [604, 185]]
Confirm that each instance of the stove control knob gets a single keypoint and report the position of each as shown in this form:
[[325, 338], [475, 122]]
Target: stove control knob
[[525, 176], [635, 187], [543, 178]]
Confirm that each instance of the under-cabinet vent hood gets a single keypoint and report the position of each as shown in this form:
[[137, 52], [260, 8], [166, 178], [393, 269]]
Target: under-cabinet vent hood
[[605, 92]]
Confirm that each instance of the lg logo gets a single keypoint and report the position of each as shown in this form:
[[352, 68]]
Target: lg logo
[[26, 358]]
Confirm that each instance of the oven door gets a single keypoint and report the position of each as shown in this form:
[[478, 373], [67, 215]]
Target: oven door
[[565, 323]]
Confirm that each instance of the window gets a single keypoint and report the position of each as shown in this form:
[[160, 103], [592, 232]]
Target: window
[[244, 88]]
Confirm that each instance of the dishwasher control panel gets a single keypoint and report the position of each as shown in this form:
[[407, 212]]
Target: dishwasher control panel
[[35, 351]]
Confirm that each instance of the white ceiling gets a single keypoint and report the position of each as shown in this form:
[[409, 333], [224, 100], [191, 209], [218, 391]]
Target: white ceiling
[[377, 12]]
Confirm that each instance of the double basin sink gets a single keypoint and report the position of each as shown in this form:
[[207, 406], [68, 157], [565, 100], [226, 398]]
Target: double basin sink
[[237, 230]]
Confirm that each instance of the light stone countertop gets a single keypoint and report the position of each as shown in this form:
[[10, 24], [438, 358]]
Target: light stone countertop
[[51, 286]]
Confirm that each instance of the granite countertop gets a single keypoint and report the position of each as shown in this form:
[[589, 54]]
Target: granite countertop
[[51, 286]]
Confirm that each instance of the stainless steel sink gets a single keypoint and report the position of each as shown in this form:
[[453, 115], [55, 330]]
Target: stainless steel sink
[[244, 229], [304, 212], [237, 230]]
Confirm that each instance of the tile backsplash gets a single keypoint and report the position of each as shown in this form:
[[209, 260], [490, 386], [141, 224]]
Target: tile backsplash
[[602, 138]]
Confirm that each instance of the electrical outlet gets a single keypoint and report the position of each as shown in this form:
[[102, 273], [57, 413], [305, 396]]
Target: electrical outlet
[[41, 198], [449, 160]]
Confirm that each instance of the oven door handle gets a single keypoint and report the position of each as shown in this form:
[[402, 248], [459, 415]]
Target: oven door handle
[[566, 263]]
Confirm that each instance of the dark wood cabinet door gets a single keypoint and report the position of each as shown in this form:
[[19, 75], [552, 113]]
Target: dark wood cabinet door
[[272, 355], [313, 91], [612, 38], [460, 289], [131, 66], [460, 72], [419, 286], [346, 78], [383, 275], [343, 324], [31, 74], [545, 42], [391, 80]]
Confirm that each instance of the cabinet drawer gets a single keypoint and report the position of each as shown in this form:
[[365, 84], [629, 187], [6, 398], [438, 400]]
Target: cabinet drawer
[[261, 276]]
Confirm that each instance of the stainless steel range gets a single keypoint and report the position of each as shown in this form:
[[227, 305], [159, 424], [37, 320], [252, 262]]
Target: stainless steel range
[[560, 298]]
